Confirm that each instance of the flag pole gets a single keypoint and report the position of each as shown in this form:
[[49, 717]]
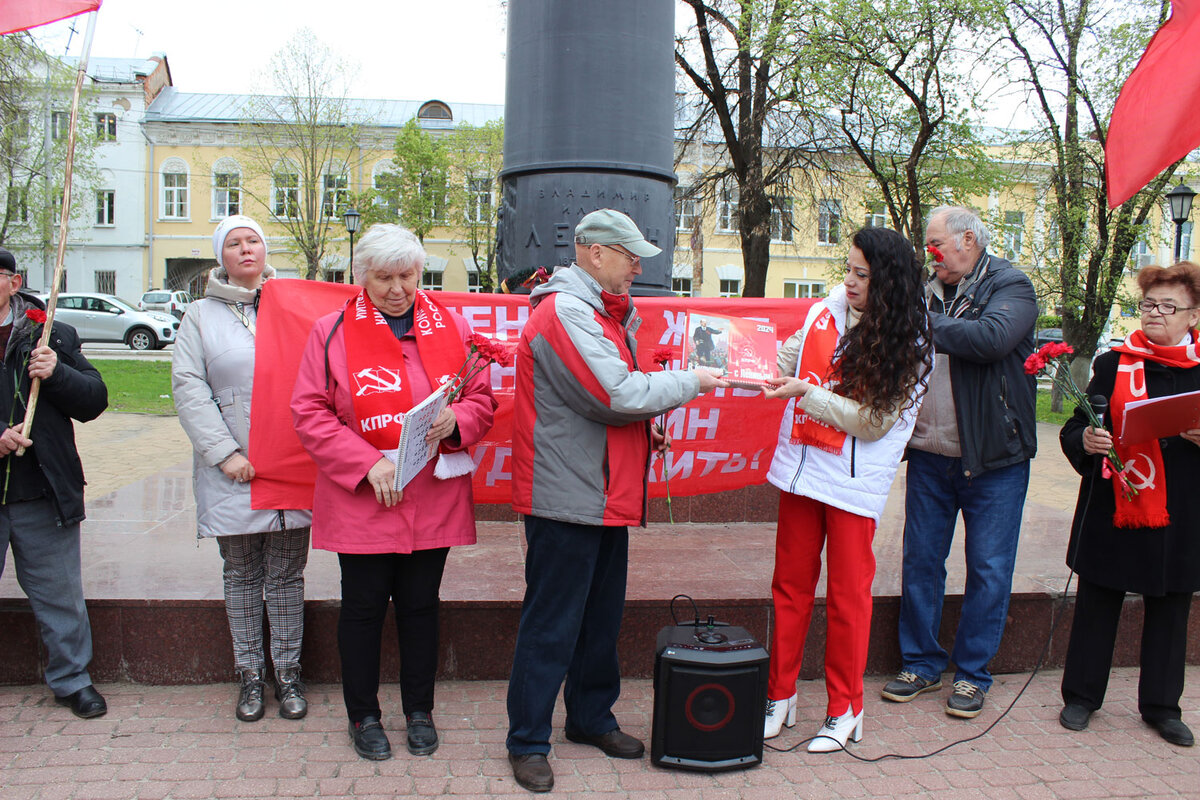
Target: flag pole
[[64, 218]]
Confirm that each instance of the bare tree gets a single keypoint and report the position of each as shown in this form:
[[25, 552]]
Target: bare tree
[[303, 140]]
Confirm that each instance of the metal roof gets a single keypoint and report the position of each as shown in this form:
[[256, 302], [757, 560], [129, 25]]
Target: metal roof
[[172, 105]]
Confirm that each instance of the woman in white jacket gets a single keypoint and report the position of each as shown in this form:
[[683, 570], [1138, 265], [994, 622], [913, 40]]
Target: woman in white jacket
[[264, 551], [856, 370]]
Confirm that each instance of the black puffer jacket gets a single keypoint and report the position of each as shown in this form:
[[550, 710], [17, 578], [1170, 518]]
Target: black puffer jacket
[[74, 391], [988, 335]]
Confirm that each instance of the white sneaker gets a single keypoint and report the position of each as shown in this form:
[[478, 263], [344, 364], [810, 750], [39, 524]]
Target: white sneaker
[[836, 731], [779, 713]]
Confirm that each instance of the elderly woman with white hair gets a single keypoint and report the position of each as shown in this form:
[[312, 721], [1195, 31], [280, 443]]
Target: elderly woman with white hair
[[264, 550], [387, 350]]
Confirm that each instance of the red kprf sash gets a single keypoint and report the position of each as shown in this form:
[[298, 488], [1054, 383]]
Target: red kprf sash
[[816, 358], [1143, 461], [375, 359]]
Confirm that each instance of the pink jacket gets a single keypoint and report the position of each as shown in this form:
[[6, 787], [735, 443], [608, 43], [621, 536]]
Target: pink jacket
[[346, 516]]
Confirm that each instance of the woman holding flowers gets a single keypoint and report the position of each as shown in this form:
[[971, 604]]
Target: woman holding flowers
[[856, 369], [387, 350], [1142, 540]]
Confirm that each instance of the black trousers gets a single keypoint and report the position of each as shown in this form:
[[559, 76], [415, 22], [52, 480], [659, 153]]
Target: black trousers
[[410, 581], [1094, 635]]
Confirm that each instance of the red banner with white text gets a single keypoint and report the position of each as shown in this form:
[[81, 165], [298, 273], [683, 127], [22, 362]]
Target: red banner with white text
[[720, 441]]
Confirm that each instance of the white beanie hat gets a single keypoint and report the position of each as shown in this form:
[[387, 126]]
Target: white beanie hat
[[228, 224]]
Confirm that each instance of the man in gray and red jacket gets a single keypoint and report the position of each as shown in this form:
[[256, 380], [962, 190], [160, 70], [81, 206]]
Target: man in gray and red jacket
[[581, 450]]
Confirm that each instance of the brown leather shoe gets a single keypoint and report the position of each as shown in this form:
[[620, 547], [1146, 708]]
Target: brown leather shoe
[[532, 771], [615, 743]]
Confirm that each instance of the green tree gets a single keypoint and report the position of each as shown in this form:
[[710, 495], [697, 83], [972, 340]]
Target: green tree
[[475, 156], [35, 103], [1073, 56], [302, 144], [898, 74], [419, 186]]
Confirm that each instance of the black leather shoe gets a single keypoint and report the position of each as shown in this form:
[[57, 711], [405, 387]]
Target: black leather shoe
[[422, 735], [1174, 731], [615, 743], [85, 704], [1074, 717], [370, 741], [532, 771]]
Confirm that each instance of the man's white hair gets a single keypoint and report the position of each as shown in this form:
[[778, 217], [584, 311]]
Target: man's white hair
[[958, 221]]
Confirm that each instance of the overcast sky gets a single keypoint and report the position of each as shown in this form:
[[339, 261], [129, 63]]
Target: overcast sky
[[404, 49]]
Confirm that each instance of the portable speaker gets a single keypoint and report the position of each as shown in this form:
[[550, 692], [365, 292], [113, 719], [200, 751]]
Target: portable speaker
[[710, 697]]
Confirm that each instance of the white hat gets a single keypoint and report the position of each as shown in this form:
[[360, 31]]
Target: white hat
[[228, 224]]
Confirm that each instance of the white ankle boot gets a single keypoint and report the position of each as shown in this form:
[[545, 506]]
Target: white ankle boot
[[836, 731], [779, 713]]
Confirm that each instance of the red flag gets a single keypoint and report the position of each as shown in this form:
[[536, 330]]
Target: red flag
[[1154, 122], [19, 15]]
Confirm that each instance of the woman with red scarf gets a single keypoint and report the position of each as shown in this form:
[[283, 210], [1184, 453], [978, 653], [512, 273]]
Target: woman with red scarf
[[387, 350], [1146, 543], [856, 369]]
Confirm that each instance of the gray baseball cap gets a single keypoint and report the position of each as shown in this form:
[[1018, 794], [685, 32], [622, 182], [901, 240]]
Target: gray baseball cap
[[607, 226]]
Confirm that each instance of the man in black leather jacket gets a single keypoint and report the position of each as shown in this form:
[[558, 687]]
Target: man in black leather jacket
[[41, 499], [970, 452]]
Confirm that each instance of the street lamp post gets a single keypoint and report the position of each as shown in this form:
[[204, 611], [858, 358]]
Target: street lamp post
[[1180, 199], [351, 219]]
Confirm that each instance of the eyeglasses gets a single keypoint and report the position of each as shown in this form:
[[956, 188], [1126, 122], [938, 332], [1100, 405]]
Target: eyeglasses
[[632, 259], [1166, 309], [8, 274]]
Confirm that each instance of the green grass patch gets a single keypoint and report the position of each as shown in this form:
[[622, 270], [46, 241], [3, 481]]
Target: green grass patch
[[1044, 414], [138, 387]]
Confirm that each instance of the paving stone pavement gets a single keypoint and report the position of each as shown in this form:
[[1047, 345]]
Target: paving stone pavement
[[183, 742]]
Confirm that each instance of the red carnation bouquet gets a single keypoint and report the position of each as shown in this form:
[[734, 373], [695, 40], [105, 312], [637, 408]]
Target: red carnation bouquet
[[485, 351], [662, 356], [1052, 361]]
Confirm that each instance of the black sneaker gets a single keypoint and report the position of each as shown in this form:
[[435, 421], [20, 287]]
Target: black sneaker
[[908, 685], [965, 701], [1074, 717]]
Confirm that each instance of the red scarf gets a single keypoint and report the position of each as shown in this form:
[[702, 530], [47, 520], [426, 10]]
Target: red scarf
[[816, 358], [376, 363], [1143, 461]]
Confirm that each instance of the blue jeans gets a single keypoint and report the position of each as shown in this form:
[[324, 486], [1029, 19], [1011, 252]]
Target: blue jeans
[[574, 600], [991, 505]]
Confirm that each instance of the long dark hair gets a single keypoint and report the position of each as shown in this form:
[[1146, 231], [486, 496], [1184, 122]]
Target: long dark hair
[[881, 359]]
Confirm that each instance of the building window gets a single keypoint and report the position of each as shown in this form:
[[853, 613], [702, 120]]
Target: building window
[[431, 280], [336, 195], [1140, 255], [730, 288], [435, 110], [106, 281], [1185, 243], [479, 199], [174, 189], [106, 127], [335, 275], [285, 201], [682, 287], [798, 289], [829, 221], [384, 180], [876, 216], [473, 281], [437, 207], [18, 204], [1014, 234], [227, 189], [727, 209], [685, 210], [781, 219], [106, 208], [60, 123], [56, 203]]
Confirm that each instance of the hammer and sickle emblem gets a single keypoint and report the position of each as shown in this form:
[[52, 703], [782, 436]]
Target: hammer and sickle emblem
[[1138, 479]]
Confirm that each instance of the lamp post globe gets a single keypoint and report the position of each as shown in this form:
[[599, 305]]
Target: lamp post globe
[[351, 220], [1180, 200]]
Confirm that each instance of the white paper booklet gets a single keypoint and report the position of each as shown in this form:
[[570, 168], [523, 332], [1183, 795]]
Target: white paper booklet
[[412, 454]]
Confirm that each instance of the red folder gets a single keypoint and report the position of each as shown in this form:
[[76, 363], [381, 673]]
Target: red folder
[[1160, 417]]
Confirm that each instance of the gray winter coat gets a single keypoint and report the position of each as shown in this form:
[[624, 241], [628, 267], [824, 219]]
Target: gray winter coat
[[212, 377]]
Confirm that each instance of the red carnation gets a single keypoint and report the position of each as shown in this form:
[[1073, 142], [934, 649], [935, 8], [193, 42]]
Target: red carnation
[[1035, 363], [935, 253], [662, 356], [36, 315]]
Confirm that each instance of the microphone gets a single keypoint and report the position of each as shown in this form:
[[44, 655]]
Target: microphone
[[1099, 404]]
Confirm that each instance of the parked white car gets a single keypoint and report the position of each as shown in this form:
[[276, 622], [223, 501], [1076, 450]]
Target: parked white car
[[104, 318], [174, 303]]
